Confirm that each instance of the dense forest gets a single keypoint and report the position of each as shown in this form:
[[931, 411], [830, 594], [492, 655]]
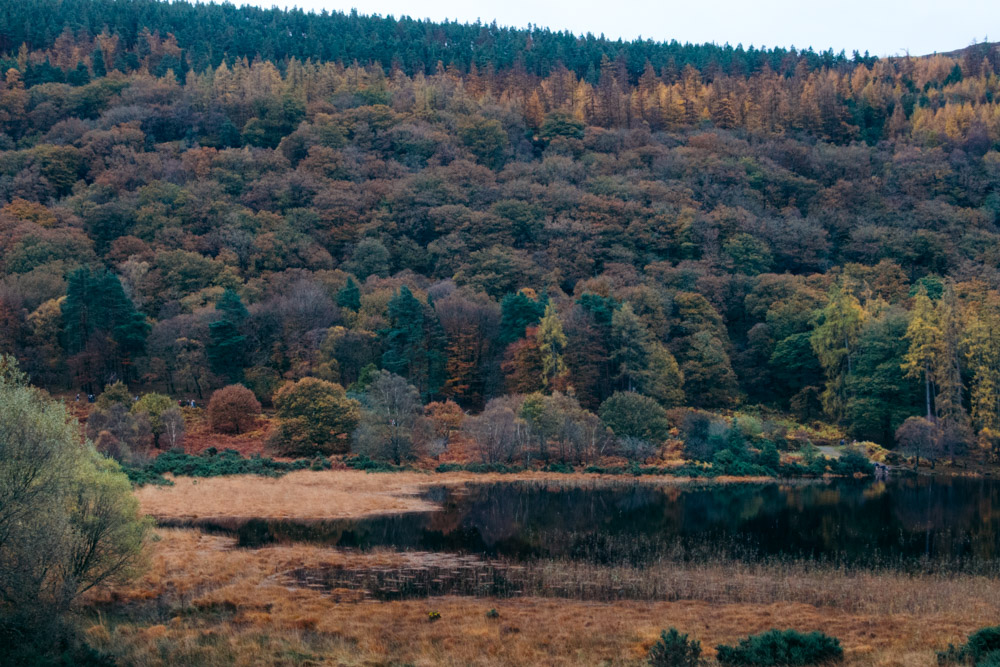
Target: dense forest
[[193, 196]]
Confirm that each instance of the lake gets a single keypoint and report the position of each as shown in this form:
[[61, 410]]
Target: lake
[[925, 522]]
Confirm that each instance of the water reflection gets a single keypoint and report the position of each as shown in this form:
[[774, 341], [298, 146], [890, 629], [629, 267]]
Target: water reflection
[[944, 523]]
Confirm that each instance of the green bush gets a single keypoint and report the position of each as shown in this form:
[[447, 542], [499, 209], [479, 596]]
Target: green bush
[[362, 462], [673, 649], [851, 462], [981, 650], [787, 648], [210, 463]]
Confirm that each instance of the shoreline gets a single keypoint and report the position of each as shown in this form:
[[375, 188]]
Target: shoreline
[[351, 494]]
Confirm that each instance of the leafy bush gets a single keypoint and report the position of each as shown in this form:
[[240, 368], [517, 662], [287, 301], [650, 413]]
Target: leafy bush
[[233, 409], [362, 462], [314, 415], [782, 647], [210, 463], [981, 650], [852, 462], [673, 649]]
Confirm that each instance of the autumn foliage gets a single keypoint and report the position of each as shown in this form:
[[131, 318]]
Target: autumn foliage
[[233, 409]]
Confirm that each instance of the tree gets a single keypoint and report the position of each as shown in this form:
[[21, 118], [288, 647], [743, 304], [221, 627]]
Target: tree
[[314, 416], [391, 426], [709, 380], [498, 433], [155, 406], [68, 519], [101, 325], [924, 337], [349, 296], [227, 347], [414, 343], [834, 340], [632, 415], [919, 437], [551, 346], [233, 409], [630, 343], [881, 396], [517, 313]]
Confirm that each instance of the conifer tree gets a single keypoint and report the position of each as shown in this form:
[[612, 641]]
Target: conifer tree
[[226, 348], [349, 296]]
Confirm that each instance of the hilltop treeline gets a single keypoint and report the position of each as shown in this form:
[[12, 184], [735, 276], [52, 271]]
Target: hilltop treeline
[[181, 212]]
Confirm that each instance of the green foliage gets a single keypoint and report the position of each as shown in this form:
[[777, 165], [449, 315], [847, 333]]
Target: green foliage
[[349, 296], [210, 463], [982, 649], [409, 343], [517, 313], [226, 348], [362, 462], [629, 414], [314, 416], [782, 647], [68, 519], [155, 406], [673, 649]]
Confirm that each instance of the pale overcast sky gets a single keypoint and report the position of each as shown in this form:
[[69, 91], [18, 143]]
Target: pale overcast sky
[[882, 27]]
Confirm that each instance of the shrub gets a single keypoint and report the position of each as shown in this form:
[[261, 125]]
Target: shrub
[[233, 409], [853, 461], [673, 649], [155, 406], [782, 647], [981, 650], [315, 416], [629, 414]]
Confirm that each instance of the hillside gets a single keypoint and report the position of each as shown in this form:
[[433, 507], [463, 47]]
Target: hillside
[[185, 204]]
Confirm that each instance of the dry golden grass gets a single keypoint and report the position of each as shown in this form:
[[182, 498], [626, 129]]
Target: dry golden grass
[[218, 605], [333, 494]]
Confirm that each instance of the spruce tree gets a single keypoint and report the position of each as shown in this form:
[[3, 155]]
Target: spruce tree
[[226, 348]]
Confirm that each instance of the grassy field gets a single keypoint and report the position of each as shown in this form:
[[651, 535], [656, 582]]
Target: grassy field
[[205, 602]]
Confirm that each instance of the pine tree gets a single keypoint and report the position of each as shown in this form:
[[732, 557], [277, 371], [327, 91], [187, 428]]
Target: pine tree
[[630, 343], [517, 313], [349, 295], [226, 348]]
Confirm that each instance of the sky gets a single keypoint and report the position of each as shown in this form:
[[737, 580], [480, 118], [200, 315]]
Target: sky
[[882, 27]]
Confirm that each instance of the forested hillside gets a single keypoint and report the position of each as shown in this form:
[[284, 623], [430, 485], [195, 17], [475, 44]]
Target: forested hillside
[[193, 196]]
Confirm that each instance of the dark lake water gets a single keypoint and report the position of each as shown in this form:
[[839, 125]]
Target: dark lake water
[[936, 522]]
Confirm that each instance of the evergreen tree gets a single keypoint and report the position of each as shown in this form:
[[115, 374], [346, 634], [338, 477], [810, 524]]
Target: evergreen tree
[[349, 296], [517, 313], [630, 343], [414, 343], [226, 348], [97, 63]]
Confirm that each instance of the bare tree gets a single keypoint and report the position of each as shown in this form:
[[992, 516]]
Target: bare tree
[[499, 434], [392, 425]]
